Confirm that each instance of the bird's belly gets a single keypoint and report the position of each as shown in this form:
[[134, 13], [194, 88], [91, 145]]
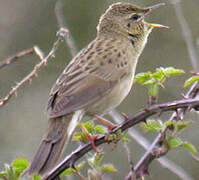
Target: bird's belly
[[114, 98]]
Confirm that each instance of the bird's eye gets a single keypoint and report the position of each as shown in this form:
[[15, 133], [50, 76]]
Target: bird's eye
[[135, 17]]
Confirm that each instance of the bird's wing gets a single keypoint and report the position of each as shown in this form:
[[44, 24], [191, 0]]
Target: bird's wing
[[87, 78]]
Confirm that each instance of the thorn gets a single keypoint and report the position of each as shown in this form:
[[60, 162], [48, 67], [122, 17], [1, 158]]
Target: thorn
[[30, 80], [189, 108], [125, 116], [142, 177], [110, 126], [145, 121], [132, 166], [107, 123], [90, 138], [72, 165], [36, 75], [16, 94], [159, 113], [184, 96], [146, 109]]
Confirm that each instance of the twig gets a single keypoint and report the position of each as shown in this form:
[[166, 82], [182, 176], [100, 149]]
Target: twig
[[62, 24], [16, 57], [43, 61], [186, 32], [139, 117]]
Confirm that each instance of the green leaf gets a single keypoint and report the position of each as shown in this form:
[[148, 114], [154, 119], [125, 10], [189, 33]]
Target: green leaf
[[153, 90], [170, 71], [175, 142], [98, 159], [169, 123], [119, 133], [67, 172], [20, 165], [159, 74], [108, 168], [77, 136], [89, 126], [191, 80], [125, 139], [142, 77], [36, 177], [101, 129], [149, 82], [3, 174], [152, 125], [80, 165], [190, 147], [181, 125], [10, 171]]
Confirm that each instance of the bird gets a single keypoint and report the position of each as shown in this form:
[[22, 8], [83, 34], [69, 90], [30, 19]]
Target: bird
[[96, 80]]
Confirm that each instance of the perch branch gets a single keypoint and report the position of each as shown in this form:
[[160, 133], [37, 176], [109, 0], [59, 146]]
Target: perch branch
[[139, 117], [33, 73]]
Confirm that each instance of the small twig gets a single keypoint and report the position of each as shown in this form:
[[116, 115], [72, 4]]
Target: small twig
[[16, 57], [139, 117], [186, 32], [62, 24], [62, 33]]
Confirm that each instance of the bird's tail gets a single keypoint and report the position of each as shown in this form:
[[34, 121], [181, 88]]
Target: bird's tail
[[51, 146]]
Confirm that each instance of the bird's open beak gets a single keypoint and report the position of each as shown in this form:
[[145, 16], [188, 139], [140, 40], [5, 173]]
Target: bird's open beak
[[158, 26], [149, 9]]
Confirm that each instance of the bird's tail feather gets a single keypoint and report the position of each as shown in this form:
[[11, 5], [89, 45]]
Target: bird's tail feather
[[51, 146]]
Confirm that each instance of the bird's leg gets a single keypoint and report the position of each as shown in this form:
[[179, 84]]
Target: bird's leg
[[90, 138], [110, 126]]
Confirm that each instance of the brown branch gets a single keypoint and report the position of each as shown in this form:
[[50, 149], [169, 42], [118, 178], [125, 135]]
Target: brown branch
[[16, 57], [62, 33], [139, 117]]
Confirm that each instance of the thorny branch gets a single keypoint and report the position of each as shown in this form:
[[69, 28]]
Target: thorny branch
[[70, 160], [62, 33], [16, 57]]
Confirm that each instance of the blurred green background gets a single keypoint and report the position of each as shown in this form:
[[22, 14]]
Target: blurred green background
[[24, 23]]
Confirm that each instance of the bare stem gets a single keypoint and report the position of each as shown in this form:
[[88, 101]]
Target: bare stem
[[62, 24], [16, 57], [62, 33], [186, 32]]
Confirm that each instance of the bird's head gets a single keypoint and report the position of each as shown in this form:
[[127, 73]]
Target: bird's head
[[127, 20]]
